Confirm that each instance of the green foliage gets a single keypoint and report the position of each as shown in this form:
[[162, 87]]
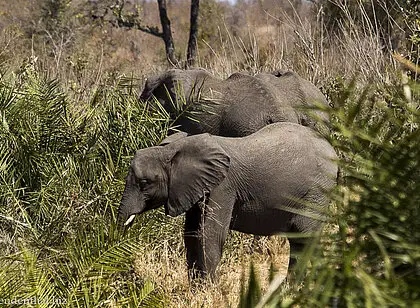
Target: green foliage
[[91, 272], [250, 296], [411, 12], [62, 168], [370, 255]]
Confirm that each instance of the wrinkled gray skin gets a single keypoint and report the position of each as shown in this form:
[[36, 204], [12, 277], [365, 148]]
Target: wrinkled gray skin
[[237, 106], [260, 184]]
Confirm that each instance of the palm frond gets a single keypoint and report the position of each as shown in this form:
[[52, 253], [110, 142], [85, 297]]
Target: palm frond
[[62, 165]]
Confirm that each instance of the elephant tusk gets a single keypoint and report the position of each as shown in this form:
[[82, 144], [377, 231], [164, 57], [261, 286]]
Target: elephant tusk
[[129, 220]]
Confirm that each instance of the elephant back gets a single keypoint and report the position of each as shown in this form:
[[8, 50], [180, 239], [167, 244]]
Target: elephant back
[[250, 104], [237, 106], [299, 93]]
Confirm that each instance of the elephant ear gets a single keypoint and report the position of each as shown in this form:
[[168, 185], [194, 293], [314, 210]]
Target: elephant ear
[[173, 138], [198, 166]]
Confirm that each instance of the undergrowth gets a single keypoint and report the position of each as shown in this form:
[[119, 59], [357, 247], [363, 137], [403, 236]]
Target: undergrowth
[[62, 168]]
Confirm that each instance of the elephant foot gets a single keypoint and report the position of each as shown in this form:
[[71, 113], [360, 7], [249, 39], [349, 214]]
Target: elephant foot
[[199, 279], [196, 274]]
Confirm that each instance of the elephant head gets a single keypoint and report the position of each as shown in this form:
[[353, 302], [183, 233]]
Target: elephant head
[[175, 86], [157, 175]]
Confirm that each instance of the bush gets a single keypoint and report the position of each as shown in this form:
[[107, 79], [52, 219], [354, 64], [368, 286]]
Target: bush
[[62, 166]]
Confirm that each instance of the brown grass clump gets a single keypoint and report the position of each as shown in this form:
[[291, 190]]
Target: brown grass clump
[[166, 267]]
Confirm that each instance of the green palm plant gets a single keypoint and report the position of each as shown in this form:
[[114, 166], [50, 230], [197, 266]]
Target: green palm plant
[[62, 165], [90, 272]]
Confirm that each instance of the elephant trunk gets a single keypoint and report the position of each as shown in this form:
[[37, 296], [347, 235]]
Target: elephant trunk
[[129, 207]]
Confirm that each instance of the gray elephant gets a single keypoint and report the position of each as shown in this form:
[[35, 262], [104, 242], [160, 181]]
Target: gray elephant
[[269, 182], [235, 107]]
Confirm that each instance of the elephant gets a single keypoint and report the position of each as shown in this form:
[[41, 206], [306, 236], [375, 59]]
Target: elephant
[[272, 181], [198, 102]]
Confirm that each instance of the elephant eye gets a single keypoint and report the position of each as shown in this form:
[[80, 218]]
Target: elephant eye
[[143, 183]]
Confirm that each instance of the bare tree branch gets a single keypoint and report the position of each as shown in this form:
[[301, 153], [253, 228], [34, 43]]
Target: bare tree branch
[[122, 22], [153, 30], [131, 22]]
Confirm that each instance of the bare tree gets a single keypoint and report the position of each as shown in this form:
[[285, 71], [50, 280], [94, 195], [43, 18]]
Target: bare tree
[[132, 21], [192, 42], [167, 33]]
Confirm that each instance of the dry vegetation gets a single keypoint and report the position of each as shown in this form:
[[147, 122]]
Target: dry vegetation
[[89, 57], [252, 36], [165, 265]]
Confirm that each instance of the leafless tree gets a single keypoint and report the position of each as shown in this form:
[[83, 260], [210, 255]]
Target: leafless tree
[[132, 21], [192, 42], [167, 33]]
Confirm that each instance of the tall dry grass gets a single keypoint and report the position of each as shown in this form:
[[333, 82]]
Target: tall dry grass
[[166, 266], [262, 38], [303, 44]]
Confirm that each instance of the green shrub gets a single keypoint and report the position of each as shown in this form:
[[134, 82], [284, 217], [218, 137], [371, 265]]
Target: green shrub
[[62, 169]]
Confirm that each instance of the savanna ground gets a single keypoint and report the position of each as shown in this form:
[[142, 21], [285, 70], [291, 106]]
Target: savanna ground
[[71, 121]]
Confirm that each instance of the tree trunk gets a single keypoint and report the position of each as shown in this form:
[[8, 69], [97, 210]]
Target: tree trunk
[[192, 42], [167, 34]]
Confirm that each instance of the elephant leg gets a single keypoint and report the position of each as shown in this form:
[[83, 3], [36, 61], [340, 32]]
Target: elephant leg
[[308, 226], [206, 228], [192, 241], [296, 248]]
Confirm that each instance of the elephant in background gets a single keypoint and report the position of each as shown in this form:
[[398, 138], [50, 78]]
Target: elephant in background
[[272, 181], [238, 106]]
